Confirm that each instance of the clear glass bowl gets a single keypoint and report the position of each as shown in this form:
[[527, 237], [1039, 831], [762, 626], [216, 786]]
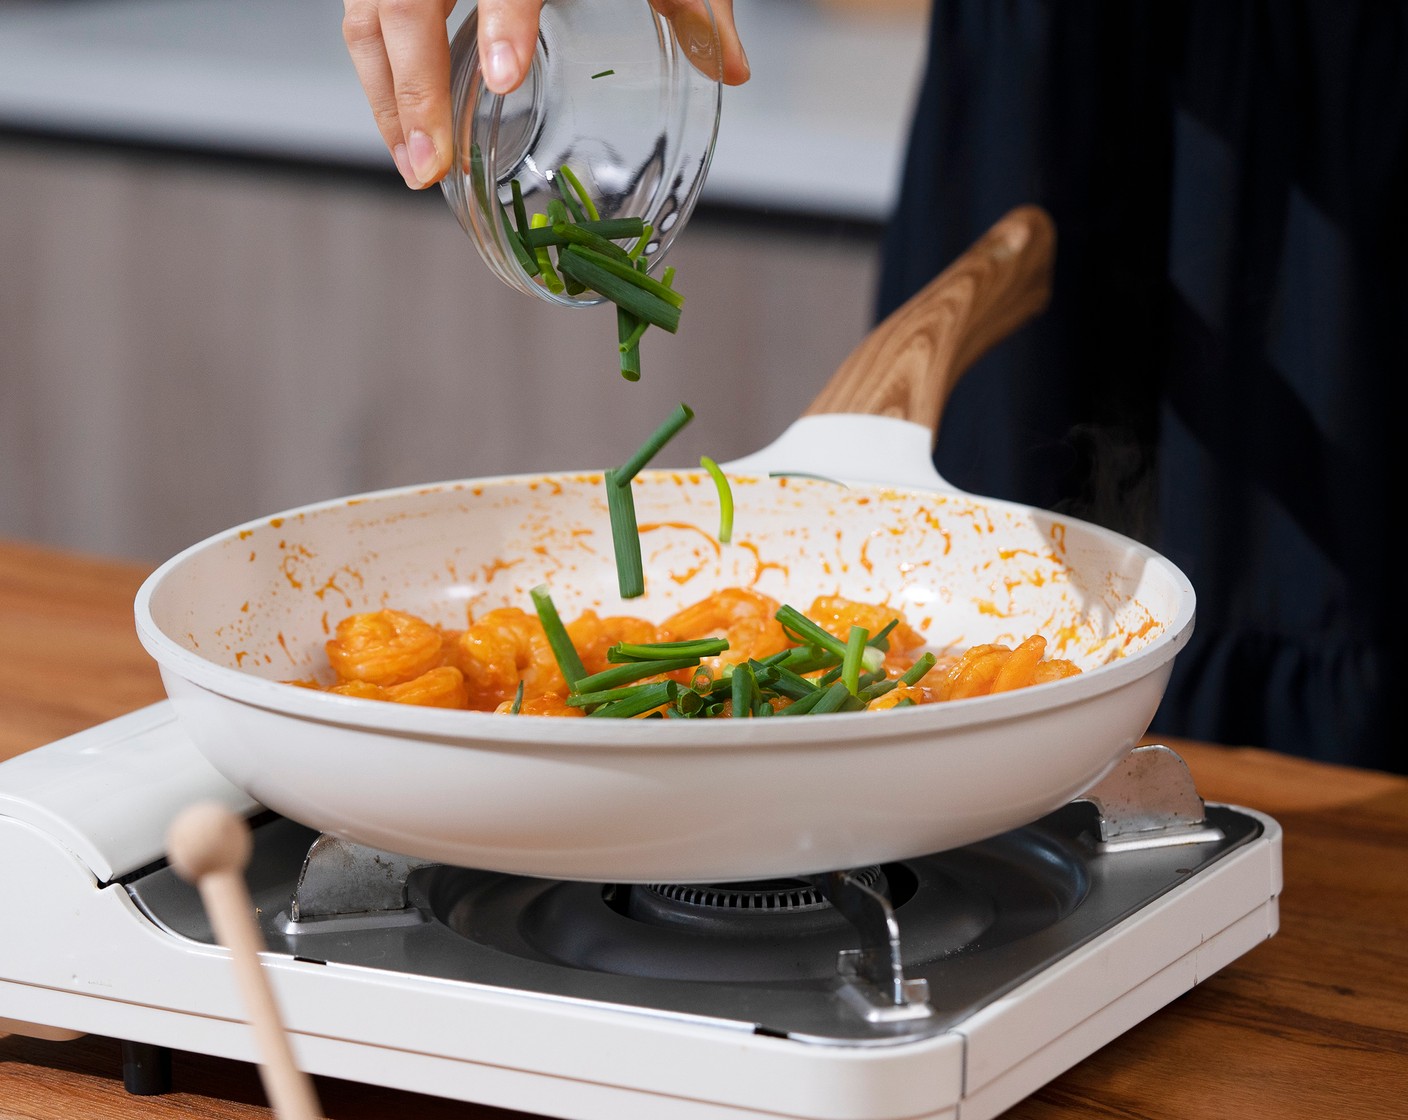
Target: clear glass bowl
[[626, 97]]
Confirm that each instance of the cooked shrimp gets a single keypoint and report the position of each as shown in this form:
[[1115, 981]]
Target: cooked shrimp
[[550, 704], [593, 637], [384, 647], [742, 616], [442, 687], [504, 647], [836, 615]]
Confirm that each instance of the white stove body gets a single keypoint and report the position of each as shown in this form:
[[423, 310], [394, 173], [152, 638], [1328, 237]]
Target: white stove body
[[78, 956]]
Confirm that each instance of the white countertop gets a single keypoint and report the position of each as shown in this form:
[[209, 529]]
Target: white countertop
[[819, 129]]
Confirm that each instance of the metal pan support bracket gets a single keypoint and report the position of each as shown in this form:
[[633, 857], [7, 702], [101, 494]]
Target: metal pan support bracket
[[350, 885], [873, 982], [1149, 801]]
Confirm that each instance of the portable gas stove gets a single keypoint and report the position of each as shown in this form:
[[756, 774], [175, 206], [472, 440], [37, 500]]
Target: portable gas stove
[[952, 985]]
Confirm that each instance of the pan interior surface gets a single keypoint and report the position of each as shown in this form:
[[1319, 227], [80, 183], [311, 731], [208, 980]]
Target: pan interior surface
[[262, 599]]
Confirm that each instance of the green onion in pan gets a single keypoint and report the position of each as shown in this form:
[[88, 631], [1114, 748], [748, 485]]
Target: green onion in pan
[[645, 698], [850, 666], [625, 652], [916, 671], [725, 498], [804, 628], [743, 689], [565, 653], [632, 671]]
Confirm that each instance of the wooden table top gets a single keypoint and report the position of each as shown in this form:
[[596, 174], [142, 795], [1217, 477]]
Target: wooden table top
[[1314, 1023]]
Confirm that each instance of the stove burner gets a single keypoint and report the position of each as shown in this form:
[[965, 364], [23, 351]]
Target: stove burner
[[774, 931], [695, 904]]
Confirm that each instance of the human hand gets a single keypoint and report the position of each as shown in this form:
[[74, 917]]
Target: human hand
[[401, 51]]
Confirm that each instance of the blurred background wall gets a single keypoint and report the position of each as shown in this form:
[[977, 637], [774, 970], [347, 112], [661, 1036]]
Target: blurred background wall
[[218, 301]]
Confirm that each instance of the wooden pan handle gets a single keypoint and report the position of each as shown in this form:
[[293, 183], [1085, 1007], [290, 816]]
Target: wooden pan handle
[[209, 846], [908, 365]]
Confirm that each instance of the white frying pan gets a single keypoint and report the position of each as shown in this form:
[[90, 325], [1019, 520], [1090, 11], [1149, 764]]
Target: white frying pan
[[691, 800]]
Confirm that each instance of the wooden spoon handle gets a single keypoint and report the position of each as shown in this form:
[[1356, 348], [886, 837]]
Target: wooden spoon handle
[[908, 365], [210, 846]]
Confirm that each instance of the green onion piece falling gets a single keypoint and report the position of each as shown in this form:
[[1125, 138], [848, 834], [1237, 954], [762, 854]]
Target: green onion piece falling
[[628, 332], [625, 537], [681, 415], [602, 74], [725, 498]]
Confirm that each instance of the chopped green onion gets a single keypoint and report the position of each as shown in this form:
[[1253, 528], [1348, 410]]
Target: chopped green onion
[[603, 74], [632, 671], [517, 706], [624, 271], [623, 652], [646, 233], [790, 684], [525, 256], [584, 267], [632, 340], [833, 700], [808, 631], [621, 505], [904, 702], [581, 235], [850, 665], [808, 659], [743, 688], [803, 705], [725, 498], [588, 206], [881, 640], [551, 280], [681, 415], [645, 698], [570, 207], [918, 669], [520, 212], [628, 327], [568, 660], [877, 689], [804, 474]]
